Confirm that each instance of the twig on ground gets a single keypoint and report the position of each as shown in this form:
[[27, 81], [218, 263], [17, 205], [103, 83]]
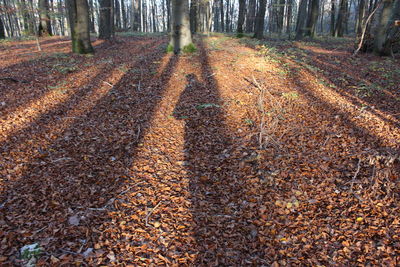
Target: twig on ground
[[11, 79], [151, 212], [109, 84], [355, 175]]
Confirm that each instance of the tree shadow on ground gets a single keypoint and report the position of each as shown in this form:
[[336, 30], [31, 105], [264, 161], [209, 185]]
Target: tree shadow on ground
[[65, 193], [223, 236]]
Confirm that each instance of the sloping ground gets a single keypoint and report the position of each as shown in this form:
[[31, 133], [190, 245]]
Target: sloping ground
[[239, 154]]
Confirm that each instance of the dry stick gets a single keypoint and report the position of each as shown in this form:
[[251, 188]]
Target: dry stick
[[355, 175], [151, 212], [365, 29]]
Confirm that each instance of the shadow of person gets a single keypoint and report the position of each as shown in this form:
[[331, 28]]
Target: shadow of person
[[217, 206]]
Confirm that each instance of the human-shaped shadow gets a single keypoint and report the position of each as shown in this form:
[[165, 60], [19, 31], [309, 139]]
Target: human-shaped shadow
[[216, 192]]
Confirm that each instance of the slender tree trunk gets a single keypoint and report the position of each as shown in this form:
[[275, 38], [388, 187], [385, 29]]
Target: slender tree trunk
[[181, 35], [333, 11], [216, 16], [260, 20], [227, 16], [91, 16], [124, 16], [153, 11], [117, 14], [221, 10], [339, 29], [289, 16], [2, 31], [79, 24], [361, 16]]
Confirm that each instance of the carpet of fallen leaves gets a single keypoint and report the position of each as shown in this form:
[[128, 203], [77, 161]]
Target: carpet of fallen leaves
[[243, 153]]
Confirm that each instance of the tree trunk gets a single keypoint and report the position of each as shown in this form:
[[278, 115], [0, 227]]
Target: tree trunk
[[79, 24], [385, 32], [280, 15], [117, 14], [260, 19], [193, 16], [361, 17], [216, 16], [301, 20], [242, 12], [136, 7], [124, 17], [289, 17], [313, 18], [221, 10], [333, 11], [2, 32], [180, 35], [250, 17], [44, 18], [106, 21], [339, 29]]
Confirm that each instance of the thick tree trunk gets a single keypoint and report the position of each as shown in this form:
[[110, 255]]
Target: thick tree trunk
[[301, 20], [242, 12], [260, 19], [44, 18], [313, 18], [386, 31], [79, 24], [106, 21], [180, 35]]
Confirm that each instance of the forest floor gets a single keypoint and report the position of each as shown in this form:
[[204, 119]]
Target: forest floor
[[243, 153]]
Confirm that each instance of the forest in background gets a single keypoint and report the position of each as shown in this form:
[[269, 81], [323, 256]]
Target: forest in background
[[373, 23]]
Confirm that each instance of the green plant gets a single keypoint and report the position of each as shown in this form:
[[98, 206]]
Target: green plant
[[239, 35], [170, 48], [207, 105], [31, 252], [190, 48]]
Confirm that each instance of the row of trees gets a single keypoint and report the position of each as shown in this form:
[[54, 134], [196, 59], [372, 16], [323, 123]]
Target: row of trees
[[372, 21]]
